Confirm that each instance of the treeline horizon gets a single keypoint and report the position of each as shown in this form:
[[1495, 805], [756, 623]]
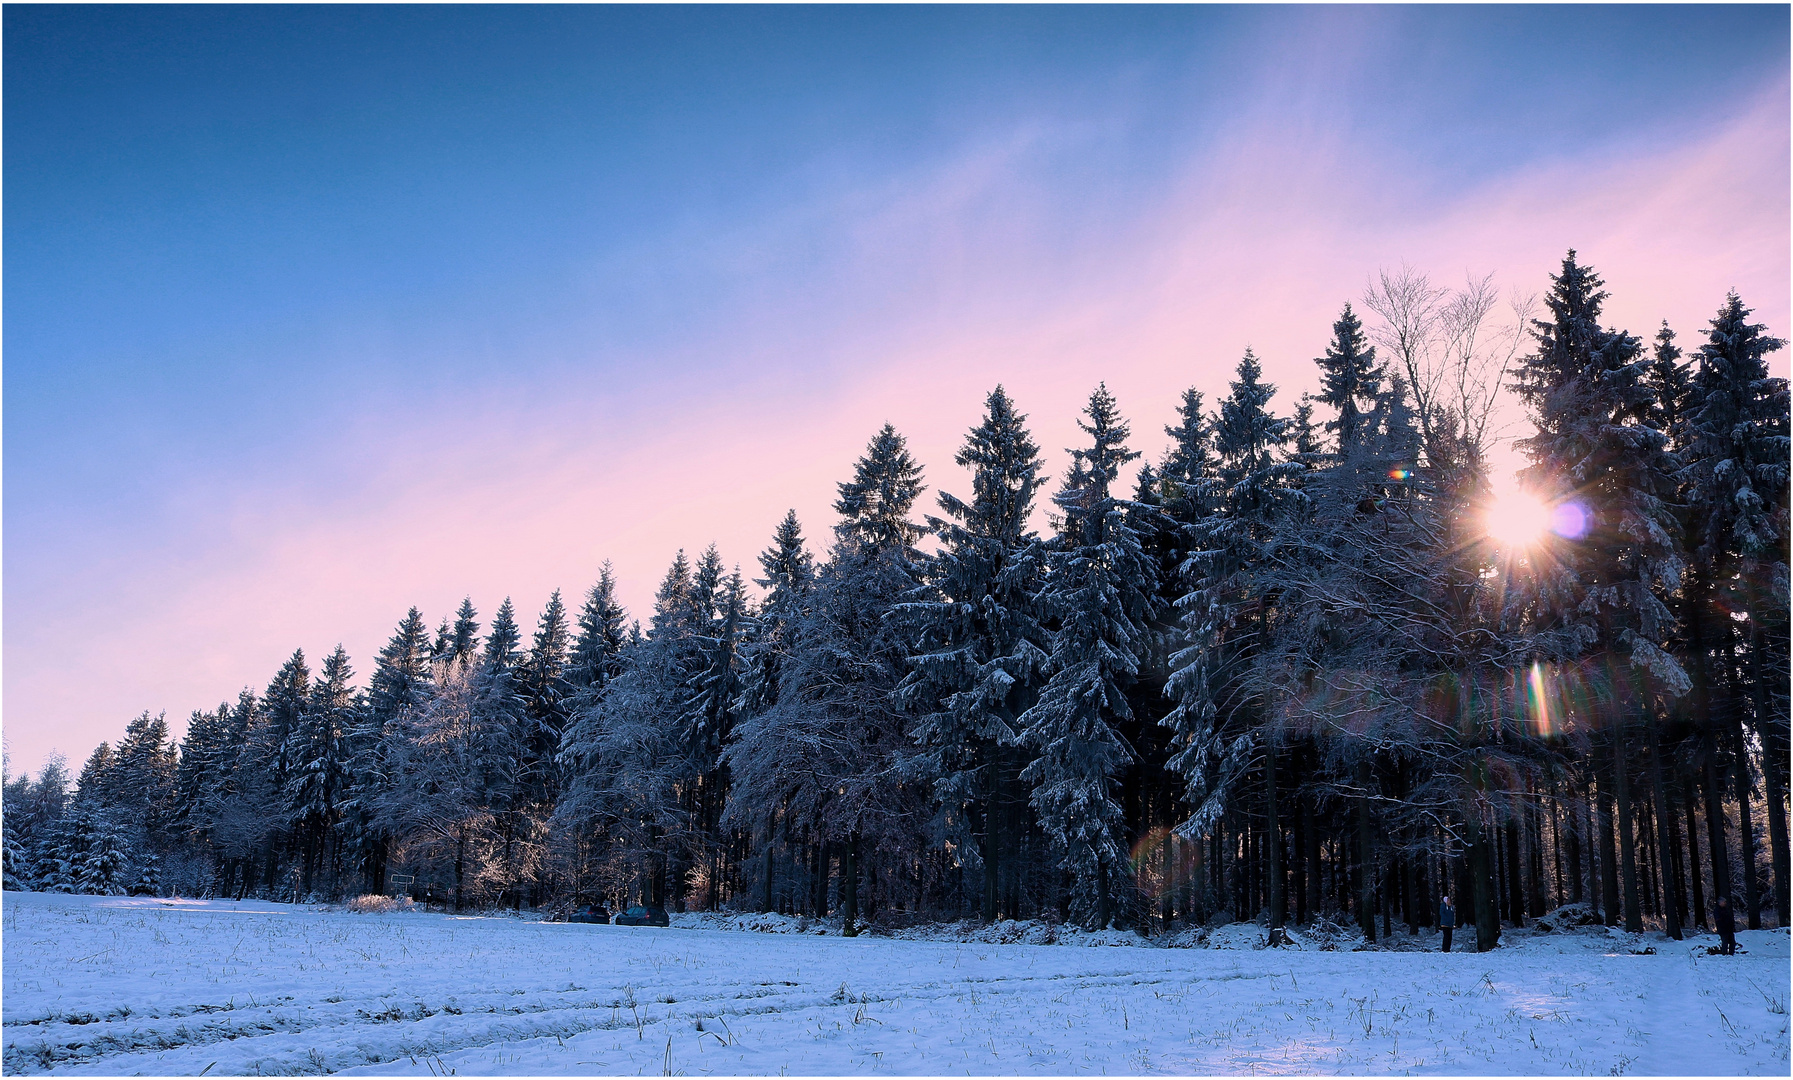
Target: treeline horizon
[[1285, 672]]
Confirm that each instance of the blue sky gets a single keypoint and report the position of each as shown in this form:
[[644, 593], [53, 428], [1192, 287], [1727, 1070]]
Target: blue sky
[[314, 313]]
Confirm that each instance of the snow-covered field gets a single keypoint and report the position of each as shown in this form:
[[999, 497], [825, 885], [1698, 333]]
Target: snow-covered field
[[109, 985]]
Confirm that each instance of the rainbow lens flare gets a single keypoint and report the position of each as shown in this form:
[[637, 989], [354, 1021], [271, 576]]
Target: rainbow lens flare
[[1539, 700], [1164, 862]]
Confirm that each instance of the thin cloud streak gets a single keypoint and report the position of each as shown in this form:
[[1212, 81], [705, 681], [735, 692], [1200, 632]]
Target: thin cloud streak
[[940, 287]]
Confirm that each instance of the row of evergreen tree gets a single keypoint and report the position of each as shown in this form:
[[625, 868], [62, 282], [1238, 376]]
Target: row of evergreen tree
[[1285, 674]]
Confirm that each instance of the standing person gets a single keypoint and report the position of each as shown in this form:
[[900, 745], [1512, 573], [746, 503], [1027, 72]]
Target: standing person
[[1447, 920], [1727, 927]]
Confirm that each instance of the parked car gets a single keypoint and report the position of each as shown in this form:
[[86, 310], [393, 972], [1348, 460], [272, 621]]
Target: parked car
[[590, 913], [638, 915]]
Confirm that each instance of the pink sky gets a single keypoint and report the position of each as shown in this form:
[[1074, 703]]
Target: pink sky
[[1259, 243]]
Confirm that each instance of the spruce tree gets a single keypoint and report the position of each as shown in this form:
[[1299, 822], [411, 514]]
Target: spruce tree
[[546, 701], [1737, 475], [981, 655], [15, 861], [874, 505], [495, 748], [1350, 381], [768, 642], [320, 774], [401, 684], [1186, 476], [142, 775], [97, 783], [200, 771], [1215, 721], [463, 639], [790, 572], [1097, 599], [627, 751], [602, 637], [834, 746], [1598, 595]]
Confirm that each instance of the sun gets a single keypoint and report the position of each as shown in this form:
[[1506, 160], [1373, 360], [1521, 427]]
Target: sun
[[1517, 519]]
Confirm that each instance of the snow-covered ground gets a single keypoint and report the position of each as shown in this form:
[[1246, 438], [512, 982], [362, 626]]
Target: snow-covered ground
[[109, 985]]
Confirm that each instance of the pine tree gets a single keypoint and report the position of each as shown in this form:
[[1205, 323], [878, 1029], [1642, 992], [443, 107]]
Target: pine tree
[[244, 810], [401, 684], [1187, 474], [1737, 475], [199, 772], [834, 745], [15, 862], [874, 505], [1599, 595], [142, 774], [981, 655], [60, 856], [401, 676], [97, 782], [1224, 611], [546, 695], [438, 789], [602, 638], [1096, 599], [790, 572], [320, 774], [707, 583], [106, 866], [1350, 381], [499, 716], [1671, 390], [463, 639], [769, 639], [627, 752]]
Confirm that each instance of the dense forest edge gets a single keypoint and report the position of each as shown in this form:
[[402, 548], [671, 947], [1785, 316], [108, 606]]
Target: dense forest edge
[[1303, 666]]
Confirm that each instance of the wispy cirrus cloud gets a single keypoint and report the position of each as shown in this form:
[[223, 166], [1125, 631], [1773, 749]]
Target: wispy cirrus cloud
[[898, 296]]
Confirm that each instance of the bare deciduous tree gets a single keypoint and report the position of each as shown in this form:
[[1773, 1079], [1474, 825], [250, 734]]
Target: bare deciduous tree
[[1451, 348]]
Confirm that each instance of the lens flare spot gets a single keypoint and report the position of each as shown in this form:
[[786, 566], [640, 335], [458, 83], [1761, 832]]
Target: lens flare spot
[[1540, 701], [1164, 862], [1569, 520]]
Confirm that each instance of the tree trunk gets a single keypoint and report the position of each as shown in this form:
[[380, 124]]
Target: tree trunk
[[771, 849], [1168, 876], [1481, 873], [992, 830], [460, 862], [1609, 858], [1534, 847], [1774, 769], [1746, 827], [1273, 839], [1556, 845], [1102, 910], [1573, 827], [1312, 840], [1621, 773], [1695, 878], [1515, 884], [849, 887], [1719, 854], [1366, 849], [1774, 779], [1665, 852]]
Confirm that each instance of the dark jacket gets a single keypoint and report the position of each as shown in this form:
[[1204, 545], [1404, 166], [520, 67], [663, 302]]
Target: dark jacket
[[1447, 916], [1726, 918]]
